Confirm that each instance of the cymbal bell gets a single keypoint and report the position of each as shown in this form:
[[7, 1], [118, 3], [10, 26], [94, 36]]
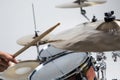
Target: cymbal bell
[[21, 70], [112, 26], [76, 4], [90, 37]]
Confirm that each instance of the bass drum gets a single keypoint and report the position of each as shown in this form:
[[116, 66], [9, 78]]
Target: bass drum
[[58, 66]]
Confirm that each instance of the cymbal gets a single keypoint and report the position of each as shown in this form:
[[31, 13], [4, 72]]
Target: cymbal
[[29, 38], [21, 70], [112, 26], [90, 37], [75, 4]]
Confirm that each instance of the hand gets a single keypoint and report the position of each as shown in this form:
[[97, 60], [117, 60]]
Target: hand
[[5, 60]]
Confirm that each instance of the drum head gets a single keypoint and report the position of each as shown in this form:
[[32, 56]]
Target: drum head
[[58, 67], [49, 51]]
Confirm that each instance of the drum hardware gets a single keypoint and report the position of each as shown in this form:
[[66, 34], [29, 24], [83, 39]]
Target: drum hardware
[[83, 12], [51, 58], [109, 16], [109, 19], [36, 32], [94, 19], [37, 47], [115, 55], [34, 20], [101, 66]]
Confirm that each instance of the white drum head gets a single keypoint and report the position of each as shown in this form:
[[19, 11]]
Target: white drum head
[[49, 51], [58, 67]]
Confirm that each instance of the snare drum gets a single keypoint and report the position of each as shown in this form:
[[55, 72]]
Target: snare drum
[[61, 67]]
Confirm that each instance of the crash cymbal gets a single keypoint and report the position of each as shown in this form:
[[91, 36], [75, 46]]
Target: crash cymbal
[[20, 71], [89, 37], [76, 4]]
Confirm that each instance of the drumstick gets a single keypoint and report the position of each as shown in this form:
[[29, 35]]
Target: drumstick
[[35, 40]]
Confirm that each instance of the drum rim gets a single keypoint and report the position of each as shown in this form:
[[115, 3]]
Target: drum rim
[[57, 56], [74, 71]]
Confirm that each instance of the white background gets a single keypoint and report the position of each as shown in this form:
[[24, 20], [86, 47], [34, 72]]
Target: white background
[[16, 21]]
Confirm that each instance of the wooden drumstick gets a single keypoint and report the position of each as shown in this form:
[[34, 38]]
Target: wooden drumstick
[[35, 40]]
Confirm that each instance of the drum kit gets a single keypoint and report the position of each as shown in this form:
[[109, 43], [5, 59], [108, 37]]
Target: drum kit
[[67, 55]]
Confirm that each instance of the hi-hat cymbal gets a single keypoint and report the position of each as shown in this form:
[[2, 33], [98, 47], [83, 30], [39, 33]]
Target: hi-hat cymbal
[[20, 71], [29, 38], [76, 4], [91, 37]]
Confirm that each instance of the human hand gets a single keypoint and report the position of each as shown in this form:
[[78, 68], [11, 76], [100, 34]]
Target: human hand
[[5, 59]]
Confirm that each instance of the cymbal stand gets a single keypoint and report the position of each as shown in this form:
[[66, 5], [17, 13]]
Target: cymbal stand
[[101, 66], [37, 47], [83, 12], [115, 55], [94, 19], [36, 32]]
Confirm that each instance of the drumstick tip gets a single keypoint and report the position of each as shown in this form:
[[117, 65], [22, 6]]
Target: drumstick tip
[[58, 23]]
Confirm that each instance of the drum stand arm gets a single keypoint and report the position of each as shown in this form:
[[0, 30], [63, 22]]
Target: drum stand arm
[[83, 12], [115, 55], [101, 66], [103, 70], [37, 47]]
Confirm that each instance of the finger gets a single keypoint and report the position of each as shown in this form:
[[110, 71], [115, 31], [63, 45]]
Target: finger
[[5, 55], [2, 68], [8, 57], [4, 63], [13, 59]]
